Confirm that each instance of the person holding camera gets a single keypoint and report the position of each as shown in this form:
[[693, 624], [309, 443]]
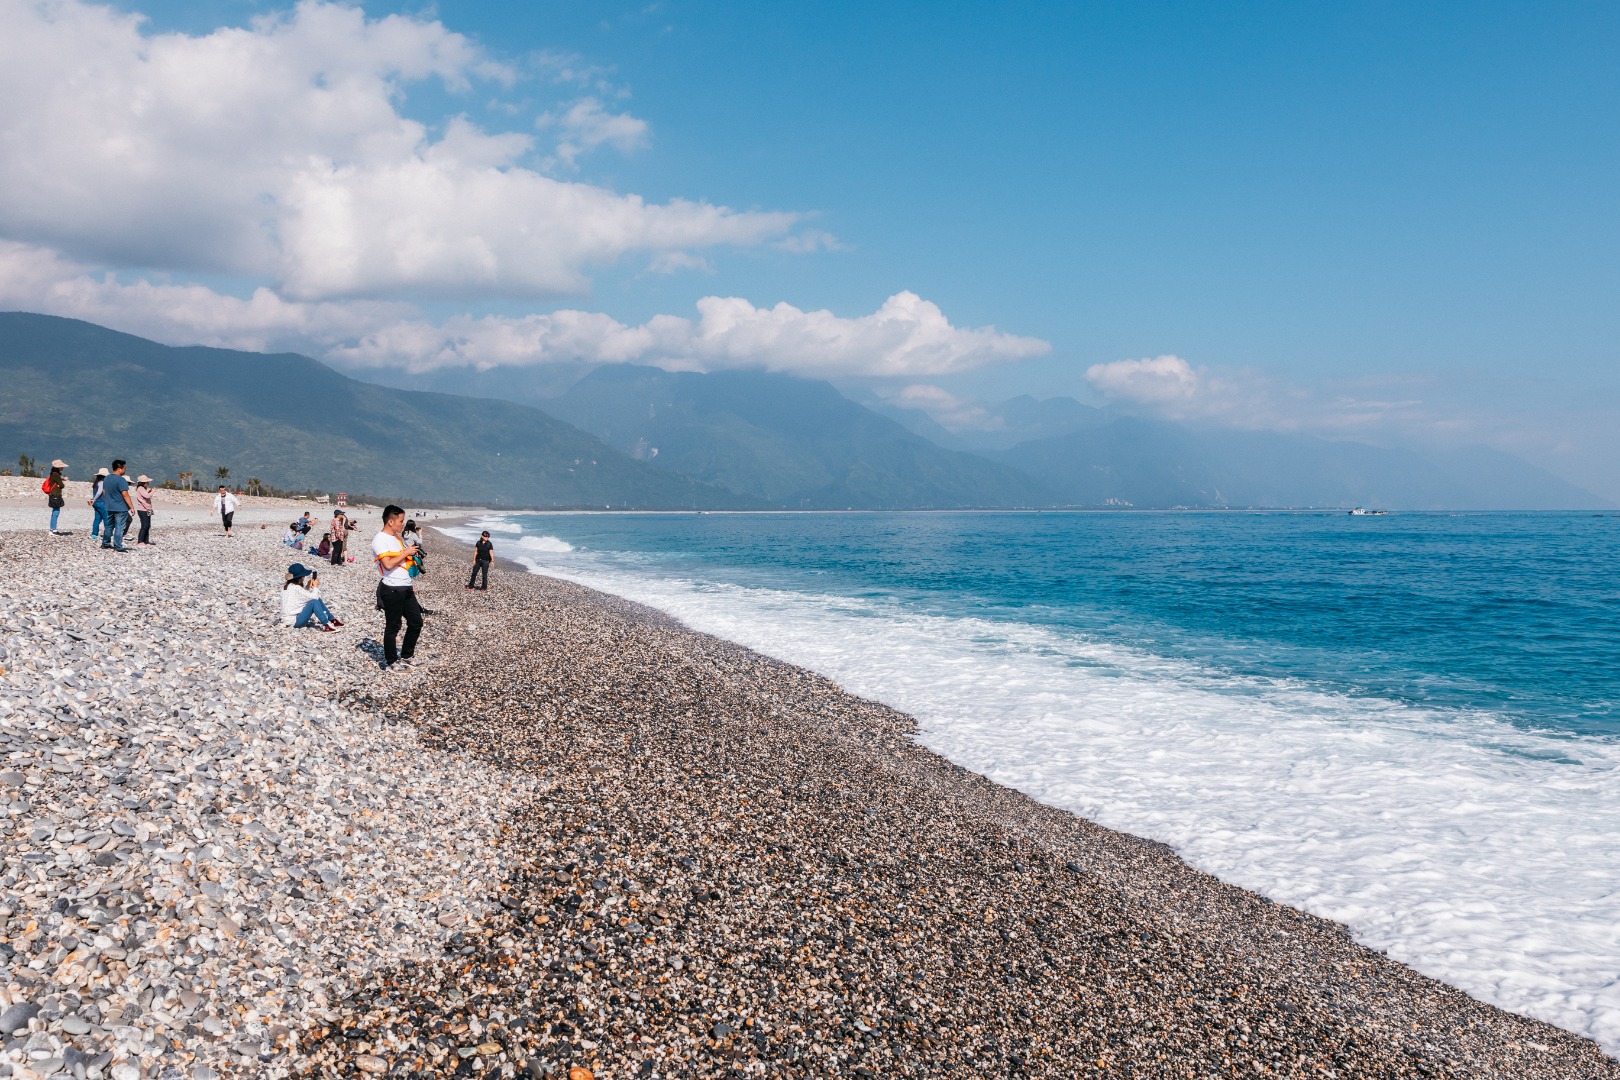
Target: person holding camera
[[396, 593], [301, 602]]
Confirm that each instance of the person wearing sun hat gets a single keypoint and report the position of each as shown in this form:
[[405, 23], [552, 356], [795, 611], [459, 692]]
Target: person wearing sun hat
[[95, 504], [301, 602], [143, 507], [55, 489]]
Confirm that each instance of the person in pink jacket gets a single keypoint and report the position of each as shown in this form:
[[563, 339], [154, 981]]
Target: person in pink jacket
[[143, 508]]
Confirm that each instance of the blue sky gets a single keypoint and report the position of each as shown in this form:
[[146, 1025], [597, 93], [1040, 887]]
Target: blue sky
[[1377, 221]]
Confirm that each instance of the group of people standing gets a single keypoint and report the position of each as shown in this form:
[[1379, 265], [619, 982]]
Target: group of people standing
[[114, 503]]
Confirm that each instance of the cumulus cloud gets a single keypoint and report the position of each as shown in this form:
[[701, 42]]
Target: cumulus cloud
[[906, 337], [1162, 380], [279, 152]]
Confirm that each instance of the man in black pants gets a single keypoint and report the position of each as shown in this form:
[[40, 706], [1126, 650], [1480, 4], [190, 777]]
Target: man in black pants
[[483, 555], [395, 593]]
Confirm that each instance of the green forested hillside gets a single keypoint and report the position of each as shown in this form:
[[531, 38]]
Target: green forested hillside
[[78, 391]]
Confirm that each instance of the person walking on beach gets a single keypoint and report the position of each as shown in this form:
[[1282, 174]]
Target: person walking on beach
[[116, 505], [339, 532], [225, 505], [55, 489], [100, 518], [143, 508], [483, 555], [395, 593], [301, 602]]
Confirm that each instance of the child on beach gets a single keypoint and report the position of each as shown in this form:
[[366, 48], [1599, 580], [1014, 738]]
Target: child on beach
[[293, 538], [301, 602], [413, 535]]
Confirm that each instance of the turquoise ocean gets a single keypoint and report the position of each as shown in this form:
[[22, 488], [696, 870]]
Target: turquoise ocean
[[1409, 723]]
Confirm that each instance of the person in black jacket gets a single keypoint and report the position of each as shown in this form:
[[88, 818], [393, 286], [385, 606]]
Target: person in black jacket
[[483, 555]]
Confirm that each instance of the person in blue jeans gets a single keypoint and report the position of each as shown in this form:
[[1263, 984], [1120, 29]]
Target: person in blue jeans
[[301, 602], [100, 518], [116, 507]]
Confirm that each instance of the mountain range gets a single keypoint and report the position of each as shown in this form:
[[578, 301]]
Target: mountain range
[[87, 394], [627, 436]]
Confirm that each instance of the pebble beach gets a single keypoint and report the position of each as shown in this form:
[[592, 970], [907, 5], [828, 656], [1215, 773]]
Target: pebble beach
[[581, 840]]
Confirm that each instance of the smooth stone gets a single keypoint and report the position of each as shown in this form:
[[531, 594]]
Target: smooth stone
[[16, 1018]]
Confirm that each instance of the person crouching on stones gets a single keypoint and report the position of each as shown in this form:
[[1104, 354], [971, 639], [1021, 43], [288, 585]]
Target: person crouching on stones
[[301, 602]]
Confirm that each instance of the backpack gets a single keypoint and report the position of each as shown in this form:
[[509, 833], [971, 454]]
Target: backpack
[[46, 486]]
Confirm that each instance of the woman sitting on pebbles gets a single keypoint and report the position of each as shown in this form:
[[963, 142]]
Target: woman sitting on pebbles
[[301, 602]]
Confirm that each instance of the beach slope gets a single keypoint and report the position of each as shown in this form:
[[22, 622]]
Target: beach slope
[[732, 867]]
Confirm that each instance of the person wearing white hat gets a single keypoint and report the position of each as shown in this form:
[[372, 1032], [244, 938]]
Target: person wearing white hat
[[143, 507], [95, 504], [55, 489]]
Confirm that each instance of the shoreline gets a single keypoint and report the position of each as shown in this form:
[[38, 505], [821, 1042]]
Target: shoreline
[[826, 896], [584, 835]]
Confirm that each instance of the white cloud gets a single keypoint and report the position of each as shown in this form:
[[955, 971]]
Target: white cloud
[[586, 125], [945, 408], [278, 152], [1170, 387], [673, 262], [810, 241], [35, 279], [1162, 380], [907, 337]]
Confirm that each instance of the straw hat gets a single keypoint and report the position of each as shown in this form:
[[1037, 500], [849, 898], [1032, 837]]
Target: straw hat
[[58, 464], [143, 479], [101, 472]]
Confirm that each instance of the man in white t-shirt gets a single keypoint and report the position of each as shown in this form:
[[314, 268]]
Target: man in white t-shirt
[[395, 592], [225, 505]]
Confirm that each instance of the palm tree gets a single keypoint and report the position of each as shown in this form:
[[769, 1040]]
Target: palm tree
[[253, 485], [221, 474], [185, 478]]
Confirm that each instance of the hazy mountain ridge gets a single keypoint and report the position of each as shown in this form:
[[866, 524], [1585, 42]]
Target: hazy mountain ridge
[[1130, 461], [85, 393], [789, 441]]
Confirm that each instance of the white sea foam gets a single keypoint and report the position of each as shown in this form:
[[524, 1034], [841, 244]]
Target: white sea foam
[[1478, 853], [550, 545]]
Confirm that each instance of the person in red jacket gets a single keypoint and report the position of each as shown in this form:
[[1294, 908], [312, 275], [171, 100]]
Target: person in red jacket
[[55, 489]]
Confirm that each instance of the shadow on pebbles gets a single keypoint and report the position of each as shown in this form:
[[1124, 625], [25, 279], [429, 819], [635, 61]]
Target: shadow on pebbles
[[726, 866]]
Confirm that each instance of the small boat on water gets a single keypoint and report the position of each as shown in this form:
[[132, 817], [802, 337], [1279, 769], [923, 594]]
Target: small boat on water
[[1362, 511]]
